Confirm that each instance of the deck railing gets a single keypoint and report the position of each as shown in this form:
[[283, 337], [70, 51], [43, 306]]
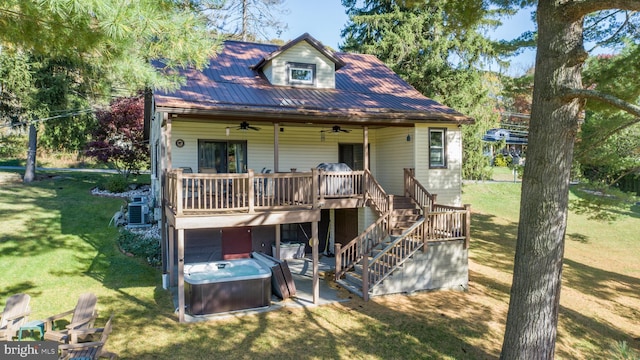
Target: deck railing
[[449, 223], [248, 192]]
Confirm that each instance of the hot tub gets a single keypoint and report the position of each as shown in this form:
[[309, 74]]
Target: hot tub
[[230, 285]]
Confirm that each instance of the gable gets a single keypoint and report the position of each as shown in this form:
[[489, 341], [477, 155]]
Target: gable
[[302, 53]]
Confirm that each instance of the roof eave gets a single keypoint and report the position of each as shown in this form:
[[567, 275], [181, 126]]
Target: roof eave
[[315, 115]]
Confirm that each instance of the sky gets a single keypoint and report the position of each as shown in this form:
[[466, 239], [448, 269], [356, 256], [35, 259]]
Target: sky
[[324, 19]]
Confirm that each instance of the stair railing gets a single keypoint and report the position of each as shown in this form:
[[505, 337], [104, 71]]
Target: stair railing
[[394, 255], [415, 190], [350, 254], [376, 197]]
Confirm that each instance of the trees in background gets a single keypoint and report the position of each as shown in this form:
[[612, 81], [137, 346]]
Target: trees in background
[[438, 47], [246, 20], [80, 53], [118, 139]]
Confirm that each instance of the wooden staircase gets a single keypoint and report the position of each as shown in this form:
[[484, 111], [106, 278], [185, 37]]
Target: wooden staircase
[[404, 217], [388, 247]]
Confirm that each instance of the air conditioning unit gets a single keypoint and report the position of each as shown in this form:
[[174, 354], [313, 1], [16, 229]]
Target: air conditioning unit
[[137, 214], [139, 199]]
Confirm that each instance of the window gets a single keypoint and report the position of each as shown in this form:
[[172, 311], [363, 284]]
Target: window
[[437, 148], [223, 156], [300, 73]]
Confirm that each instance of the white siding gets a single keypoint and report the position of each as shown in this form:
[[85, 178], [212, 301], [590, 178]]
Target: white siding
[[302, 52], [300, 147], [446, 183], [394, 153]]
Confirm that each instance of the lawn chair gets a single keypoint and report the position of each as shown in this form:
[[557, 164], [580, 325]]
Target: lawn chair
[[14, 315], [88, 350], [84, 315]]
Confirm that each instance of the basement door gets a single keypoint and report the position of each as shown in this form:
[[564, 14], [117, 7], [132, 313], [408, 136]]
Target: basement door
[[346, 225], [236, 243]]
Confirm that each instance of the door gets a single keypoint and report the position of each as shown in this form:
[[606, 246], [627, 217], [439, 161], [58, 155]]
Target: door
[[346, 225], [236, 243], [223, 156]]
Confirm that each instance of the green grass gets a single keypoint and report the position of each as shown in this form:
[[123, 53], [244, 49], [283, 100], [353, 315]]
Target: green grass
[[55, 244]]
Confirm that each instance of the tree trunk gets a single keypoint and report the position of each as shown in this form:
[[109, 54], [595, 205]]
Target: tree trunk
[[535, 293], [245, 20], [30, 169]]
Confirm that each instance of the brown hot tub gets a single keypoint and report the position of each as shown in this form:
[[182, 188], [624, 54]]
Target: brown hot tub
[[230, 285]]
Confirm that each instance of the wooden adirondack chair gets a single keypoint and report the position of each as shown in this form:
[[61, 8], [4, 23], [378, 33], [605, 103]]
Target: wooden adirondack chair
[[88, 350], [14, 315], [84, 315]]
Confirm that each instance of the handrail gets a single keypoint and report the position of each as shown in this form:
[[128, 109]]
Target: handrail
[[352, 253], [382, 203], [415, 190], [395, 254]]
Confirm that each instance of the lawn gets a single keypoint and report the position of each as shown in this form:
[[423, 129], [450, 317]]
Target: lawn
[[55, 244]]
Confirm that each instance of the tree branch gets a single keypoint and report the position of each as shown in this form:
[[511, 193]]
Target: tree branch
[[577, 9], [571, 93], [599, 43]]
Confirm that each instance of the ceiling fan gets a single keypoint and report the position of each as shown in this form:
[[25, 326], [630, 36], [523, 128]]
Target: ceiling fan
[[336, 129], [245, 126]]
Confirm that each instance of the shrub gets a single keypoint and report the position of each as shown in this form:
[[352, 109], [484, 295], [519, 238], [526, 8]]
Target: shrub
[[502, 160], [116, 184], [13, 146], [140, 246]]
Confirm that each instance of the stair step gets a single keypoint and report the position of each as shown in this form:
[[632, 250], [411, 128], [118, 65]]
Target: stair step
[[353, 278], [350, 287]]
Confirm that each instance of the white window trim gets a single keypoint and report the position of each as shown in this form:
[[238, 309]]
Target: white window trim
[[442, 148], [301, 66]]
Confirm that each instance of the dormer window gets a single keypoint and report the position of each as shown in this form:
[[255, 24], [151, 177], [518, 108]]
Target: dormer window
[[301, 73]]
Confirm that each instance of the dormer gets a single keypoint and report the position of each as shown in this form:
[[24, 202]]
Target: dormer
[[303, 62]]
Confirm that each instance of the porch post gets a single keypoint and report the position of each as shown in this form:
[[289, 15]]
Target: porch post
[[314, 253], [467, 225], [170, 256], [278, 236], [365, 144], [276, 140], [163, 223], [251, 192], [181, 275]]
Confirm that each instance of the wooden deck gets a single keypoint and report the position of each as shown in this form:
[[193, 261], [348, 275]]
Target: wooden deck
[[203, 194]]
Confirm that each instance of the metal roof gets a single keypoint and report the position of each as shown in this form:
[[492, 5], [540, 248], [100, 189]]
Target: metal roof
[[366, 91]]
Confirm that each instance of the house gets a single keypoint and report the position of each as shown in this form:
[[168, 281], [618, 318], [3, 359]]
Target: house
[[272, 145]]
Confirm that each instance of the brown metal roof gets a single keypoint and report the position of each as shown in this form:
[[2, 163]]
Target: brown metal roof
[[366, 91]]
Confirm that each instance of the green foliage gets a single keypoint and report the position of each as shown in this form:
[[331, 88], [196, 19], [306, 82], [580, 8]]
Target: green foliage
[[117, 39], [502, 160], [147, 248], [12, 146], [116, 184], [438, 47]]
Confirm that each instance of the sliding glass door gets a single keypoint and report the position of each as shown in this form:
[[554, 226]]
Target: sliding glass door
[[222, 156]]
